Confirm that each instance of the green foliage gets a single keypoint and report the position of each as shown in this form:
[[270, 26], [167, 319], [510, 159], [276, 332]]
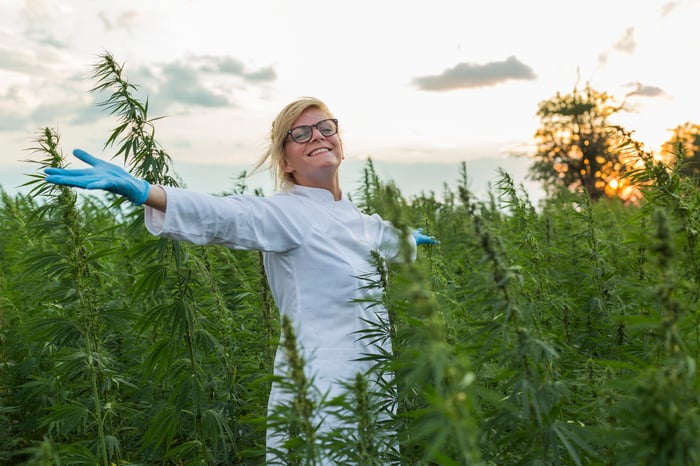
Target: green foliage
[[563, 334]]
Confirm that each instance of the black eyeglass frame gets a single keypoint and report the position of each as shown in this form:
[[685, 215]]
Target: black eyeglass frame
[[311, 128]]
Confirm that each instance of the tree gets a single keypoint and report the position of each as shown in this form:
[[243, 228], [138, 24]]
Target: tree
[[577, 148], [684, 147]]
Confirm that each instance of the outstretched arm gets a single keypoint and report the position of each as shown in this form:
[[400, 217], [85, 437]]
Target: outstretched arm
[[109, 177], [157, 198]]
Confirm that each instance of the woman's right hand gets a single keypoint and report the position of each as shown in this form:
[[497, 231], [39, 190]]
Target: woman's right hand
[[101, 175]]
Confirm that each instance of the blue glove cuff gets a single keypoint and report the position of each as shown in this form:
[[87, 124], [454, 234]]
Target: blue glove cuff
[[139, 196]]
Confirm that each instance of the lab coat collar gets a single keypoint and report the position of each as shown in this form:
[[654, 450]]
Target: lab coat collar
[[316, 194]]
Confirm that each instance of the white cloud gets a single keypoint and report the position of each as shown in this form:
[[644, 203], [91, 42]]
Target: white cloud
[[474, 75]]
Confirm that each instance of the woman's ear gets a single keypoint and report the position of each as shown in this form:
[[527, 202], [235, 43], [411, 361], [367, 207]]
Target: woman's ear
[[286, 167]]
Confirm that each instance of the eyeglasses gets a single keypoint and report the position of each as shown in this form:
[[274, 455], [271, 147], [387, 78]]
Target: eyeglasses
[[304, 133]]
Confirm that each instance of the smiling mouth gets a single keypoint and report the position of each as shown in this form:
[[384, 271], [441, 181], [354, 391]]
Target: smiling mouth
[[318, 151]]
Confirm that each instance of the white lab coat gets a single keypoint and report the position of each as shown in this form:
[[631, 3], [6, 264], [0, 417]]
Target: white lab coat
[[315, 250]]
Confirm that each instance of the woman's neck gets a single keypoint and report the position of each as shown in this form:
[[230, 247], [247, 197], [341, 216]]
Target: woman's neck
[[331, 184]]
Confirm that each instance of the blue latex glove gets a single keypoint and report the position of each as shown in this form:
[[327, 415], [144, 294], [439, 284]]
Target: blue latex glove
[[423, 239], [102, 175]]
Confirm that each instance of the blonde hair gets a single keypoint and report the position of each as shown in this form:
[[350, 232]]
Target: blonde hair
[[273, 157]]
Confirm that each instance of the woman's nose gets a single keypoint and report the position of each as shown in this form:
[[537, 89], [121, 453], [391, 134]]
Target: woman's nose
[[316, 134]]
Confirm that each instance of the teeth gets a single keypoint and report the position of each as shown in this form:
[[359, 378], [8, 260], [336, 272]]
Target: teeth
[[317, 151]]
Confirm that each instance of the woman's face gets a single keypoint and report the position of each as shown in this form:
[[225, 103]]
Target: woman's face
[[314, 162]]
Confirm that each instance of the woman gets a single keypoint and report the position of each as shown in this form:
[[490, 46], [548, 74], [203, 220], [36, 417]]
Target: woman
[[316, 244]]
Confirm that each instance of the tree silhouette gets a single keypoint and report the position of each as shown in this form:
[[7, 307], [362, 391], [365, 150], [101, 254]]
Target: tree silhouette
[[684, 147], [577, 147]]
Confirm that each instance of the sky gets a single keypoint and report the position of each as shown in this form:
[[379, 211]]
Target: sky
[[414, 83]]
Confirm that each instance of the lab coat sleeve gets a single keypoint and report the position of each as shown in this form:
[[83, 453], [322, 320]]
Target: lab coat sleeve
[[239, 222], [391, 241]]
